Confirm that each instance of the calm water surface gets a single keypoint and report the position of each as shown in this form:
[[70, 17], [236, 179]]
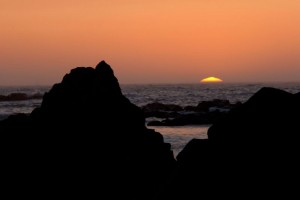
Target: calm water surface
[[178, 137]]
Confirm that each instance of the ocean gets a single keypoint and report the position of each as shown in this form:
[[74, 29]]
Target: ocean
[[180, 94]]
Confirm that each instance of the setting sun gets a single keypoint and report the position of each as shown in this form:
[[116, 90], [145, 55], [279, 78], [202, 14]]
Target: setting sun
[[211, 80]]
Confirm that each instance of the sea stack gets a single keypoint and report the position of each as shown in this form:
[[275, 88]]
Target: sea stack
[[87, 139]]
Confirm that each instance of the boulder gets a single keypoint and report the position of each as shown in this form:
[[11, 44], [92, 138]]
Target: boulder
[[204, 106], [156, 106], [251, 151], [267, 116]]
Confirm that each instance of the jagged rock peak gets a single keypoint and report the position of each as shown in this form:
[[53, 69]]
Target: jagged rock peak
[[102, 75], [102, 72], [104, 68], [84, 87]]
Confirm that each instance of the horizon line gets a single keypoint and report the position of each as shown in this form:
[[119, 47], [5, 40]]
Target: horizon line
[[168, 83]]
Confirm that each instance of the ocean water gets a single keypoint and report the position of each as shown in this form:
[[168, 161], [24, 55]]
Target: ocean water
[[180, 94], [192, 94], [178, 137], [12, 107]]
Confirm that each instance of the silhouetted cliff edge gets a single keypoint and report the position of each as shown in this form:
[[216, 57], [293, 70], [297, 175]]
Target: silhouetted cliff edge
[[85, 140]]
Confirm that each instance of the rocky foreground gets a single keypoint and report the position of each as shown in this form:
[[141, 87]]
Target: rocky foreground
[[251, 152], [87, 140]]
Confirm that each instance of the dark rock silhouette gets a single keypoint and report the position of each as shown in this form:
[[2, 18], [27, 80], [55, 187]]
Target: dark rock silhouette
[[156, 107], [85, 140], [268, 114], [252, 151], [204, 106], [190, 119], [206, 112], [20, 97]]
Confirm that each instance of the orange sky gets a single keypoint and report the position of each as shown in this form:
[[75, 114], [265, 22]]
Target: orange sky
[[150, 41]]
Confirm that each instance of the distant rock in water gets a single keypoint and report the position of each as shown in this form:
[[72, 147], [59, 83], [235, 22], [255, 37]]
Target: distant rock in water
[[252, 151], [86, 140], [206, 112], [20, 97]]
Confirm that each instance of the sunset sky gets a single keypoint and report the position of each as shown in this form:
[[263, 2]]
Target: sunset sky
[[150, 41]]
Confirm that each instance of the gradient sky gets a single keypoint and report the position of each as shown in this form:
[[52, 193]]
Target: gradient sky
[[150, 41]]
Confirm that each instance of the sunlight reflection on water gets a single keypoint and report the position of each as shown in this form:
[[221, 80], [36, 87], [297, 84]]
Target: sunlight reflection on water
[[178, 137]]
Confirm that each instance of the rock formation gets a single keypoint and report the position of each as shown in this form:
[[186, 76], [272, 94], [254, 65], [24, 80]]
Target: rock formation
[[206, 112], [253, 151], [20, 97], [86, 139]]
